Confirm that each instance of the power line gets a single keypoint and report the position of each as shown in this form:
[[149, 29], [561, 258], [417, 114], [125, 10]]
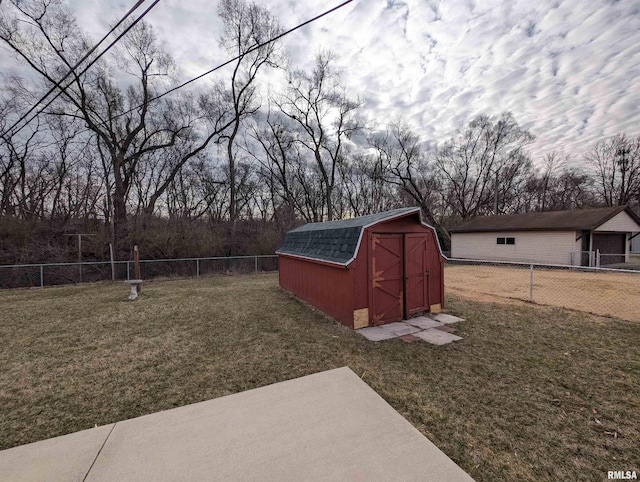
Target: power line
[[57, 85], [252, 49], [256, 47]]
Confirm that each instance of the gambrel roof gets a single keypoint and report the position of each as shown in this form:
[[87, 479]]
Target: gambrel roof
[[579, 219], [335, 241]]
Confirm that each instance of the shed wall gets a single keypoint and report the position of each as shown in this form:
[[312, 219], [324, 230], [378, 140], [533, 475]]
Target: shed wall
[[343, 292], [552, 247], [360, 266], [326, 287]]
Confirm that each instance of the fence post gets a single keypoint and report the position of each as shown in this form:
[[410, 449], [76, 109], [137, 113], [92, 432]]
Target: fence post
[[597, 258], [41, 276], [256, 260], [113, 266], [128, 276], [531, 283], [197, 268]]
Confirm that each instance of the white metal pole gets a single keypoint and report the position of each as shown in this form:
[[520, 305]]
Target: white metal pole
[[531, 283]]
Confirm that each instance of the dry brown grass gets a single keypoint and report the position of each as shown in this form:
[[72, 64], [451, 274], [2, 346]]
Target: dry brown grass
[[530, 393], [602, 293]]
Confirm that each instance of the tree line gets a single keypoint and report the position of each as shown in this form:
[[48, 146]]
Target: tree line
[[228, 168]]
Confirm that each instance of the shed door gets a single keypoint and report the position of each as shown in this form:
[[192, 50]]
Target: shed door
[[415, 274], [608, 244], [386, 278]]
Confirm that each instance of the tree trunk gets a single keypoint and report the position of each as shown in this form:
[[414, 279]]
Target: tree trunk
[[119, 210]]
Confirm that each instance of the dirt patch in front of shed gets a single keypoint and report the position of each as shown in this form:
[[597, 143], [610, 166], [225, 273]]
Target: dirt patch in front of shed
[[603, 293]]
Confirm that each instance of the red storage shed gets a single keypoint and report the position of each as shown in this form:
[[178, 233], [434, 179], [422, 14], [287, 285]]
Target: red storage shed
[[368, 270]]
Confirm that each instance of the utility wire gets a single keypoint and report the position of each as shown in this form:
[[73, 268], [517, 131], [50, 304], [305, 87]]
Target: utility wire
[[255, 47], [57, 85], [252, 49]]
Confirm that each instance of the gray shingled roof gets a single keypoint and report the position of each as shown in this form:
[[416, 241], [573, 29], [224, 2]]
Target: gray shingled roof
[[579, 219], [334, 241]]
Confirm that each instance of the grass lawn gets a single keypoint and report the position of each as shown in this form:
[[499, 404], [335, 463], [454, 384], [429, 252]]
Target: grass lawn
[[531, 393]]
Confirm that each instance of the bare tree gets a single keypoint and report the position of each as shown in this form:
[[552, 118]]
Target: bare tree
[[367, 185], [484, 164], [325, 118], [616, 165], [283, 168], [246, 26], [128, 126], [403, 163]]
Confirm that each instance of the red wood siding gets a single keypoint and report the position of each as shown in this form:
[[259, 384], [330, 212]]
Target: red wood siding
[[360, 267], [416, 250], [326, 287], [338, 291], [386, 301], [434, 262]]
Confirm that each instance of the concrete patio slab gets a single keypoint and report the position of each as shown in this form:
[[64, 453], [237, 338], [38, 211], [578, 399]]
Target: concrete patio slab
[[424, 322], [400, 328], [326, 426], [375, 333], [446, 319], [437, 337], [68, 457]]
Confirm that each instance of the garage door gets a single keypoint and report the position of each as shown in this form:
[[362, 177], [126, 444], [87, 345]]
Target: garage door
[[610, 244]]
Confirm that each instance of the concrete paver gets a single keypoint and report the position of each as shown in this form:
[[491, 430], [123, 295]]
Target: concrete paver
[[446, 319], [375, 333], [400, 328], [422, 327], [67, 458], [437, 337], [424, 322]]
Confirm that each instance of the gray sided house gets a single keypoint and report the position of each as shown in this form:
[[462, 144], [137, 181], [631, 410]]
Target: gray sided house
[[584, 237]]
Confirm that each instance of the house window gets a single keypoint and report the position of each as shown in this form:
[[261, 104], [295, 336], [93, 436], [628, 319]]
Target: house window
[[506, 240]]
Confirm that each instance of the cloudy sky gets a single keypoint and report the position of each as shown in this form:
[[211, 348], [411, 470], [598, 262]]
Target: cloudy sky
[[569, 71]]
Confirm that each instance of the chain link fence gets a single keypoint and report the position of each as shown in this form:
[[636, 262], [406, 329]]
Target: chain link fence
[[602, 291], [48, 274]]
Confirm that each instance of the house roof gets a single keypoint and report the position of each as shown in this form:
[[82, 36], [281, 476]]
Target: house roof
[[579, 219], [335, 241]]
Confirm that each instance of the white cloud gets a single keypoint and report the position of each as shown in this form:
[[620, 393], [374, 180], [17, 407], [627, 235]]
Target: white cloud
[[568, 70]]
